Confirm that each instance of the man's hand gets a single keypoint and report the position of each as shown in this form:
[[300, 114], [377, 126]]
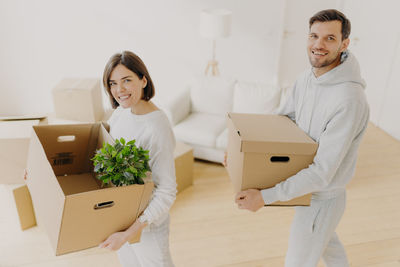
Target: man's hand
[[250, 199]]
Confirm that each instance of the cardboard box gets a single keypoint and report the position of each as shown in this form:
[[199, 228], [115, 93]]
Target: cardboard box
[[15, 133], [68, 200], [264, 150], [78, 100], [183, 165]]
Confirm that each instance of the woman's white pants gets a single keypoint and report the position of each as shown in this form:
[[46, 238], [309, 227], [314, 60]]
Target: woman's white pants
[[152, 250], [313, 236]]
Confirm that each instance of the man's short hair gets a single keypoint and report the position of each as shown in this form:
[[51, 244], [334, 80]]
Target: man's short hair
[[331, 15]]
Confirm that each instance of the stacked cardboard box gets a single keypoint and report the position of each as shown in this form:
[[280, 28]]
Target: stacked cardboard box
[[183, 166], [15, 133], [78, 100]]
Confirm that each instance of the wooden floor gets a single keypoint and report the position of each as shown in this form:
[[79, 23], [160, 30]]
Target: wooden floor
[[208, 230]]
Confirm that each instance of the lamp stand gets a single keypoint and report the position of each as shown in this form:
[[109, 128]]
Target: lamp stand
[[213, 63]]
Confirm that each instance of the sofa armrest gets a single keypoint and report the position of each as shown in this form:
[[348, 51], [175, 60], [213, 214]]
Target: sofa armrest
[[178, 107]]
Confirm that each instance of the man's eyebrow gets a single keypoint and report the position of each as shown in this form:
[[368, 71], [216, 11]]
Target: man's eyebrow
[[328, 35]]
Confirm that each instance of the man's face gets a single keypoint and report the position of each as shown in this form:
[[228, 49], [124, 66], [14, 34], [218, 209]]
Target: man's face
[[325, 45]]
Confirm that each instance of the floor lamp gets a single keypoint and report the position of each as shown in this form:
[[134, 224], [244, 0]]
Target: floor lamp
[[214, 24]]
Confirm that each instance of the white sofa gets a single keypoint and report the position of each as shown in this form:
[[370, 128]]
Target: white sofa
[[198, 114]]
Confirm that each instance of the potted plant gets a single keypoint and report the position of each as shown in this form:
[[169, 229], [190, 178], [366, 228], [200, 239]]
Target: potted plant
[[121, 164]]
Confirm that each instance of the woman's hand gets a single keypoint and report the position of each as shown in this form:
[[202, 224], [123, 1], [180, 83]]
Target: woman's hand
[[116, 240]]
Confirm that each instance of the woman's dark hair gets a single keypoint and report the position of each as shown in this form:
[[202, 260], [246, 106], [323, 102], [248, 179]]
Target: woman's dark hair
[[132, 62], [331, 15]]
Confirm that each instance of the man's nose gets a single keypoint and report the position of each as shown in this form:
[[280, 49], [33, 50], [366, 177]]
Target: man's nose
[[319, 43]]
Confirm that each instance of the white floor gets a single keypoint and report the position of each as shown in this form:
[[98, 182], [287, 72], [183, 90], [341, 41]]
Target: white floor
[[32, 248]]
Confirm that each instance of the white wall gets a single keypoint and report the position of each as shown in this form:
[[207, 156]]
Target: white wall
[[293, 53], [375, 29], [43, 41], [390, 108]]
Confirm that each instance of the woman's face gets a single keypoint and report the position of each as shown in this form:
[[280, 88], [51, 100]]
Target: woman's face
[[126, 87]]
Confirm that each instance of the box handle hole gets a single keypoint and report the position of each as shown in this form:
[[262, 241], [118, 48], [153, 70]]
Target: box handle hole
[[66, 138], [279, 159], [103, 205]]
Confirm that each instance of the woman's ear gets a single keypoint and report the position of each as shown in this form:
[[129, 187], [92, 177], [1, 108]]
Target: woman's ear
[[144, 82]]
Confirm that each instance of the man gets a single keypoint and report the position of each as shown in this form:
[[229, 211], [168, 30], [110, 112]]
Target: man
[[329, 104]]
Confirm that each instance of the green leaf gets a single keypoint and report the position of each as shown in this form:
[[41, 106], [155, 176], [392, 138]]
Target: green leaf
[[110, 168], [97, 167], [138, 165], [132, 169], [139, 180], [118, 147], [128, 175], [131, 143]]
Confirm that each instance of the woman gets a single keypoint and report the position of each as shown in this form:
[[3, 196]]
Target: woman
[[130, 89]]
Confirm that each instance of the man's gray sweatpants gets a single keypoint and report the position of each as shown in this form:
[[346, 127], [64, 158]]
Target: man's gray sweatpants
[[313, 235]]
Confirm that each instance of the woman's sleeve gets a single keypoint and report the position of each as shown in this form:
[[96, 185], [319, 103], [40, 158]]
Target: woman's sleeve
[[163, 173]]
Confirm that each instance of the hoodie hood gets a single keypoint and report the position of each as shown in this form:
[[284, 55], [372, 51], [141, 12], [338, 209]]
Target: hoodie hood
[[347, 71]]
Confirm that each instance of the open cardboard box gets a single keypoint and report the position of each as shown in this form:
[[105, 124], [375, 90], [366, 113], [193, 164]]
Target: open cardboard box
[[264, 150], [68, 200], [15, 133]]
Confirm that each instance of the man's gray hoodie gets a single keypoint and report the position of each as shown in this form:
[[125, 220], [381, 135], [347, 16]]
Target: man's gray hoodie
[[332, 109]]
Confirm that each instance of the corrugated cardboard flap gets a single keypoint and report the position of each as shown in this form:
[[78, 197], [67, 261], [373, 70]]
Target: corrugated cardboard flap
[[69, 155], [43, 186], [23, 202], [258, 136]]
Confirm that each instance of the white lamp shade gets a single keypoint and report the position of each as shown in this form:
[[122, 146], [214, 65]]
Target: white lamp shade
[[215, 23]]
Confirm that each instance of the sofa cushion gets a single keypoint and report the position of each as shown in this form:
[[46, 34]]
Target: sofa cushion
[[222, 140], [212, 95], [208, 153], [200, 129], [251, 97]]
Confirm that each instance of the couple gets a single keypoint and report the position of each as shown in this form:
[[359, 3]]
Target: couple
[[327, 102]]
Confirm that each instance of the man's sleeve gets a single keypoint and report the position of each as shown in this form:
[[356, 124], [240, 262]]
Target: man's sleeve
[[343, 130]]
